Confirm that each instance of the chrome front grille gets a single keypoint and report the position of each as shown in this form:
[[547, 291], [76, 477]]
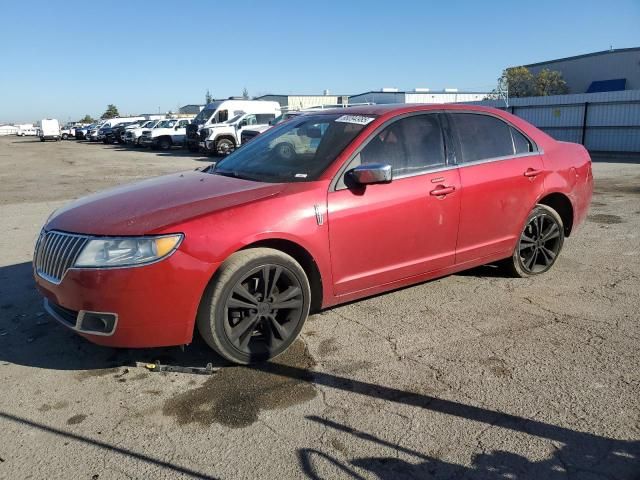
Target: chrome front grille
[[56, 252]]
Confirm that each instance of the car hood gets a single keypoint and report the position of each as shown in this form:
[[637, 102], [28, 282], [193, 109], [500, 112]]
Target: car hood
[[153, 205]]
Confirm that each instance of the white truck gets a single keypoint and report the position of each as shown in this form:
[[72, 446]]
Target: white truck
[[27, 129], [166, 134], [221, 111], [223, 138], [132, 134], [49, 129]]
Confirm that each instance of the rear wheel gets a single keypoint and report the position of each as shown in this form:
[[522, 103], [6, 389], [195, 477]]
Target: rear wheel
[[539, 244], [41, 139], [255, 306], [164, 143]]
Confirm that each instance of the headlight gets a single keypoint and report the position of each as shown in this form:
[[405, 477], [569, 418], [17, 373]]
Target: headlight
[[127, 251]]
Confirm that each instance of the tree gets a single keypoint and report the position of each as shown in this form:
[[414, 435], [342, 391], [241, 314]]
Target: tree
[[86, 119], [550, 82], [245, 93], [110, 112], [520, 82], [208, 98]]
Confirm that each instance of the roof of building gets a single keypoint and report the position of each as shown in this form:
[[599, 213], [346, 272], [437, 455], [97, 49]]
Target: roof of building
[[300, 95], [593, 54], [431, 92]]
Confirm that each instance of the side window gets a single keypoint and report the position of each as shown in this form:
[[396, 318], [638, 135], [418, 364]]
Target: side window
[[521, 143], [223, 116], [482, 136], [411, 145]]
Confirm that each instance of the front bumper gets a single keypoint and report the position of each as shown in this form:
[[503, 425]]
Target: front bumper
[[152, 305], [146, 141]]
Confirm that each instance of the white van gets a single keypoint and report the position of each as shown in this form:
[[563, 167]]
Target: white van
[[27, 130], [49, 129], [223, 110]]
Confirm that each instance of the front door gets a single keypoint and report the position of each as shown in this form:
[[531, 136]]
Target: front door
[[383, 233]]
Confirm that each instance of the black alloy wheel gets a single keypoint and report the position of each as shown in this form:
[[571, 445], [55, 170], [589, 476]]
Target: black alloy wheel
[[263, 309], [539, 244], [256, 305]]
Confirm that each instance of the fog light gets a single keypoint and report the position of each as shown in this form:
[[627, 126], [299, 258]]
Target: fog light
[[97, 323]]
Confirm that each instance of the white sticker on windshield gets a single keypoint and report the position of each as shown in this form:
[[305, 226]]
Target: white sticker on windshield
[[301, 175], [359, 119]]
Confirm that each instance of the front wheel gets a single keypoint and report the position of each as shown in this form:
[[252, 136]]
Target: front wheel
[[539, 244], [255, 306], [65, 136], [225, 146]]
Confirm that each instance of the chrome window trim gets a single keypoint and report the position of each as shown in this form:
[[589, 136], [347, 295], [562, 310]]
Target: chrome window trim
[[534, 145], [538, 150], [343, 169], [78, 325]]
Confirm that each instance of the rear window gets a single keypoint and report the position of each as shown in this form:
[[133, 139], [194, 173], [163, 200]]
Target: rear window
[[521, 143], [482, 136]]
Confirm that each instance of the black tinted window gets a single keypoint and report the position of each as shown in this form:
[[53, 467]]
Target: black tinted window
[[411, 145], [520, 142], [482, 136]]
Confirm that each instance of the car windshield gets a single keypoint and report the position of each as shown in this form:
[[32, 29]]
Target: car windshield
[[204, 115], [148, 124], [166, 123], [295, 151]]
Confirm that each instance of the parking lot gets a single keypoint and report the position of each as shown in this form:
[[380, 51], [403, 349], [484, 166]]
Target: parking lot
[[471, 376]]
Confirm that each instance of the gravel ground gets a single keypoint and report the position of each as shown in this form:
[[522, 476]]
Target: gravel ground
[[471, 376]]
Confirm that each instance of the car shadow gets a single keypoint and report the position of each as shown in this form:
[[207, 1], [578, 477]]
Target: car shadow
[[29, 337], [574, 455]]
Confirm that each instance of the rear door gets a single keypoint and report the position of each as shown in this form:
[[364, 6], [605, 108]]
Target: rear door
[[383, 233], [502, 174]]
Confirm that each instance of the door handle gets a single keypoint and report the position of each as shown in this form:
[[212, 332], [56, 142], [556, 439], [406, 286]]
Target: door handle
[[442, 190], [532, 172]]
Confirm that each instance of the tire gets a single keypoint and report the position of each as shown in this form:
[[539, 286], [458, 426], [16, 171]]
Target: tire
[[41, 139], [539, 244], [285, 150], [224, 147], [65, 136], [164, 143], [251, 330]]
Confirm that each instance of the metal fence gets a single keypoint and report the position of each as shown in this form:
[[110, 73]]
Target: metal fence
[[607, 121]]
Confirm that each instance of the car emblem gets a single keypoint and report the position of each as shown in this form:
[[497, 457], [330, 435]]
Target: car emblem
[[319, 214]]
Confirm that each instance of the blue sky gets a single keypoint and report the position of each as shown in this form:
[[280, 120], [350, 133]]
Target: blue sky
[[148, 55]]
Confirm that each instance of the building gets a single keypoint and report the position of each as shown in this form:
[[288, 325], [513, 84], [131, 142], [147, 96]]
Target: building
[[8, 129], [190, 109], [305, 101], [417, 95], [606, 71]]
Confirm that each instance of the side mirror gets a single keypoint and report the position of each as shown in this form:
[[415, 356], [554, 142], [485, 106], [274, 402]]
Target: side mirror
[[176, 127], [371, 173]]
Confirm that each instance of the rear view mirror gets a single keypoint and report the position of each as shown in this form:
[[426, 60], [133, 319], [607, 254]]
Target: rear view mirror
[[371, 173]]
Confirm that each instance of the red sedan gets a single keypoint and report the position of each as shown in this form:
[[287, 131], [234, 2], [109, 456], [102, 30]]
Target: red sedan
[[326, 208]]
